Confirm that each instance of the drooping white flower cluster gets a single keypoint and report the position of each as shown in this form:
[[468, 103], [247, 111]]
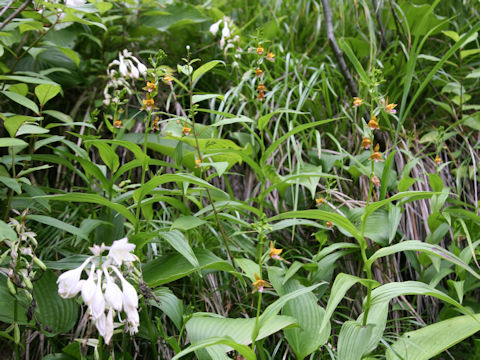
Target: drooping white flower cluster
[[100, 291], [119, 71], [226, 41]]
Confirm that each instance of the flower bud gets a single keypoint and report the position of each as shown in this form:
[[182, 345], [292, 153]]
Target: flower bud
[[89, 287], [40, 263]]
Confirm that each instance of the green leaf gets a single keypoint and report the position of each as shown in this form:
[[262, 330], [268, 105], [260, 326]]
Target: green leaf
[[94, 199], [170, 305], [58, 115], [353, 340], [11, 183], [465, 53], [263, 120], [452, 35], [187, 222], [22, 100], [425, 343], [28, 129], [206, 326], [27, 79], [228, 121], [171, 267], [247, 353], [56, 315], [205, 68], [202, 97], [50, 221], [415, 245], [7, 142], [6, 232], [45, 92], [178, 241], [108, 155], [12, 123]]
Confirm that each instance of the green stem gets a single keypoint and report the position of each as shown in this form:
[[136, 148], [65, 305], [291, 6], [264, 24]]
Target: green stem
[[153, 341]]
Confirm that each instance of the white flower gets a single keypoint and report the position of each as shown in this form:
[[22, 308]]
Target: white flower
[[71, 3], [214, 27], [69, 283], [97, 305], [113, 294], [122, 67], [101, 323], [108, 326], [141, 68], [133, 321], [120, 251], [89, 287]]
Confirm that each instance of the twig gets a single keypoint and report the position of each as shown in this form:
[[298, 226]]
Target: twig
[[14, 14], [336, 50], [6, 7]]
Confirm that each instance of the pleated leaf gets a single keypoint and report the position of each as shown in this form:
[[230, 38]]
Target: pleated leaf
[[353, 340]]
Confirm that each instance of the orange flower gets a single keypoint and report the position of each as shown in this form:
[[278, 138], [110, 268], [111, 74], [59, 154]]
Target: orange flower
[[186, 130], [390, 108], [155, 125], [260, 50], [259, 284], [438, 160], [261, 96], [117, 124], [258, 72], [261, 87], [167, 79], [373, 124], [377, 156], [275, 253], [270, 56], [151, 86], [197, 162], [320, 200], [357, 101], [148, 102], [366, 142], [329, 224]]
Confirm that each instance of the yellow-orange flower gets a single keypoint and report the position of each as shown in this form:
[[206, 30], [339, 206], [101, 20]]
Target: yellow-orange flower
[[261, 87], [373, 124], [259, 284], [148, 103], [357, 101], [117, 124], [438, 160], [377, 156], [270, 56], [197, 162], [151, 86], [260, 50], [275, 253], [320, 200], [258, 72], [329, 224], [186, 130], [366, 142], [167, 79], [390, 108], [155, 124]]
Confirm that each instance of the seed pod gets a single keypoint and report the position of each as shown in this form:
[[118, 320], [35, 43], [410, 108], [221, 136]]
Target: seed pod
[[11, 287], [16, 334], [40, 263]]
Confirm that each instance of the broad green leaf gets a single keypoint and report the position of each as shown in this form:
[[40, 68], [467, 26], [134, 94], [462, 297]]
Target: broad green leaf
[[7, 301], [336, 219], [22, 100], [202, 97], [50, 221], [263, 120], [247, 353], [108, 155], [228, 121], [205, 68], [415, 245], [452, 35], [45, 92], [353, 340], [7, 142], [59, 116], [6, 232], [178, 241], [29, 129], [170, 305], [14, 122], [56, 315], [431, 340], [11, 183], [168, 268], [27, 79], [205, 326], [187, 222], [94, 199]]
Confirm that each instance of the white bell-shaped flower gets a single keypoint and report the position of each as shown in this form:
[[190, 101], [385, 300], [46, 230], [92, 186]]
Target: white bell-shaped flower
[[74, 3], [133, 320], [108, 327], [215, 27], [120, 251], [130, 298], [113, 294], [69, 283], [97, 305], [141, 68], [122, 67], [89, 287], [101, 324]]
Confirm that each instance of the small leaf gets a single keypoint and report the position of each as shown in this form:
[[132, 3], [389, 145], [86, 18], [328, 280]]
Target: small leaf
[[7, 142], [187, 222], [22, 100], [45, 92], [14, 122], [205, 68]]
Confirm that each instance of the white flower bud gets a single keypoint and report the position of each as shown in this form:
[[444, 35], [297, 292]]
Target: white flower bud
[[113, 294], [108, 326], [89, 287], [69, 282], [97, 305], [214, 27]]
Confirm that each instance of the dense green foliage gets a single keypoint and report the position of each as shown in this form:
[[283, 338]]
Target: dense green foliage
[[299, 178]]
